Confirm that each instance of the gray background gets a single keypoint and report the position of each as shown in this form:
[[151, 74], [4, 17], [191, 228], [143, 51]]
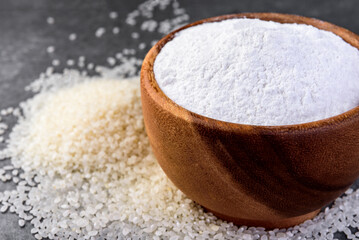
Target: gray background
[[25, 35]]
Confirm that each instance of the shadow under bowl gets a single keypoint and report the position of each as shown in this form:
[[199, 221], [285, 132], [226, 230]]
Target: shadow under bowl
[[269, 176]]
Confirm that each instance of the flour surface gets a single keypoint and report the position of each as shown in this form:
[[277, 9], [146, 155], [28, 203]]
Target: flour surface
[[257, 72]]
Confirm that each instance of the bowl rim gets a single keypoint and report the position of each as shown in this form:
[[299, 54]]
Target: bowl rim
[[148, 80]]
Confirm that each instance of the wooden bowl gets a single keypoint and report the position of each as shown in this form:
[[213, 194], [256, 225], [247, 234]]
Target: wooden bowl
[[269, 176]]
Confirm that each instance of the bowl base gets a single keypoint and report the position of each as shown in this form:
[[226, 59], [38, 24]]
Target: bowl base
[[268, 224]]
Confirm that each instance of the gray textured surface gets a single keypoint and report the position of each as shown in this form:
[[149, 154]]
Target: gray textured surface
[[25, 35]]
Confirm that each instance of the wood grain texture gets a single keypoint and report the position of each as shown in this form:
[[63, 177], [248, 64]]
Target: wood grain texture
[[271, 176]]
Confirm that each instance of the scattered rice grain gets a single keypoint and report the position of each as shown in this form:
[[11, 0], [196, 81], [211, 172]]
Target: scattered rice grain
[[72, 36], [100, 32], [50, 20], [50, 49], [113, 15], [116, 30]]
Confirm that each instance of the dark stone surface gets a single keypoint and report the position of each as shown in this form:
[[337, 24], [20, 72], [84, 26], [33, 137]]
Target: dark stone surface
[[25, 35]]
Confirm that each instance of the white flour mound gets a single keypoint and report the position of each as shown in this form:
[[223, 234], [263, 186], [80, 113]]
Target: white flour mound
[[258, 72]]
